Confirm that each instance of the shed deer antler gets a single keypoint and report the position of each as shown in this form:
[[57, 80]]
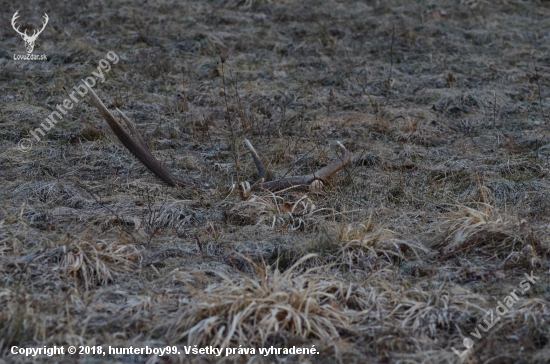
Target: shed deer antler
[[135, 143], [139, 149], [285, 182]]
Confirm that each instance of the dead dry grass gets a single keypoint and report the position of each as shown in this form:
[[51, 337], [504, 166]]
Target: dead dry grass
[[442, 210]]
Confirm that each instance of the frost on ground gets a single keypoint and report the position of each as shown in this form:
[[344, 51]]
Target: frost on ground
[[399, 257]]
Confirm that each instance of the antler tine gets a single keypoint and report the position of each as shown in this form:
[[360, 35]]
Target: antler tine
[[43, 24], [13, 19], [286, 182], [135, 134], [35, 32], [335, 165], [136, 146], [257, 161]]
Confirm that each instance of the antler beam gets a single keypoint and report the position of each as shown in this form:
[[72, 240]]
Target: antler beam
[[13, 20], [135, 143], [280, 184], [44, 23], [35, 33], [28, 39]]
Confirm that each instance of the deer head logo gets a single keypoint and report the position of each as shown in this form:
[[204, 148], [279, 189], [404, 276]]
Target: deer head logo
[[29, 40]]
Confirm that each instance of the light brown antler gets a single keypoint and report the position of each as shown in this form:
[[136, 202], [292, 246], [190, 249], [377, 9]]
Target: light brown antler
[[135, 143], [286, 182]]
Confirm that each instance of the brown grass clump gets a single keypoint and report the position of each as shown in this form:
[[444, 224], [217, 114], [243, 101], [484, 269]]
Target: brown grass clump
[[251, 310], [292, 212], [372, 250], [87, 263], [485, 231]]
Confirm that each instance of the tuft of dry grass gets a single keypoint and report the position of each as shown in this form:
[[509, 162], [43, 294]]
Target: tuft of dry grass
[[88, 263], [373, 250], [486, 232], [252, 310]]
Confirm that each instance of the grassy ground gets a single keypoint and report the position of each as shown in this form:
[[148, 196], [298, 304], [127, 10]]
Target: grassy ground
[[443, 209]]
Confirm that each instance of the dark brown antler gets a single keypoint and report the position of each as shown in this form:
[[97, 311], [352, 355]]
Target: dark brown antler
[[286, 182], [135, 143]]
